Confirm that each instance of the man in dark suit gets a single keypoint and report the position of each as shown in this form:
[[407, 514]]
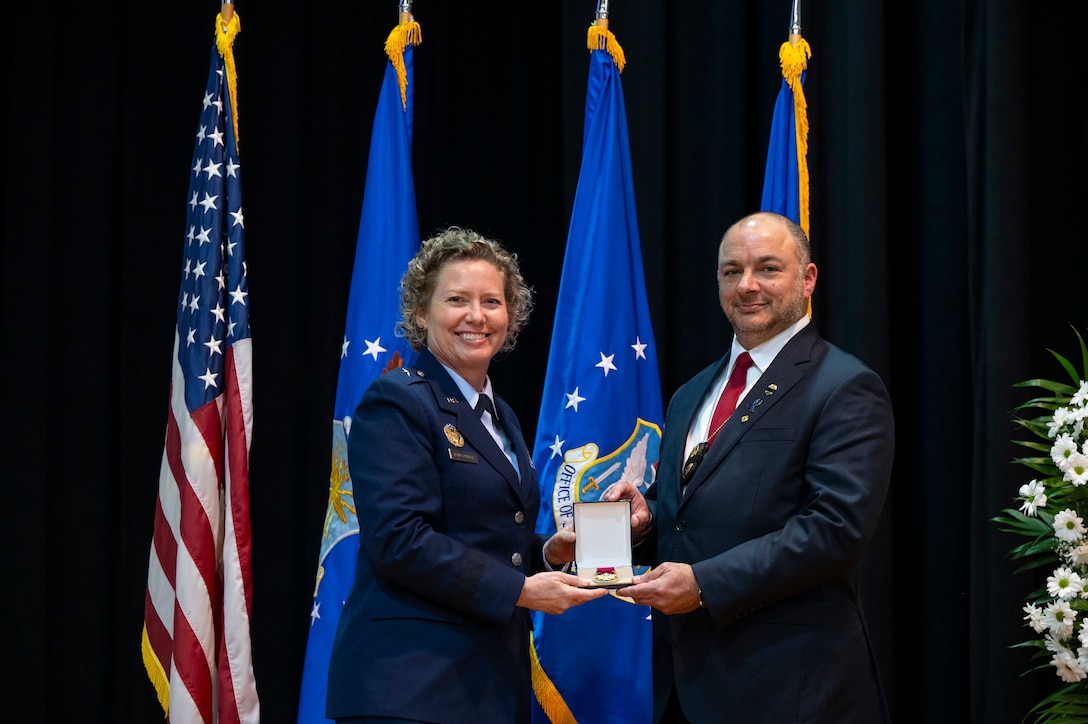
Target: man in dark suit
[[759, 517]]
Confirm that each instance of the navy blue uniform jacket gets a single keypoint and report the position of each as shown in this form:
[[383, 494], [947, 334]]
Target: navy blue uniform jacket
[[430, 630], [774, 523]]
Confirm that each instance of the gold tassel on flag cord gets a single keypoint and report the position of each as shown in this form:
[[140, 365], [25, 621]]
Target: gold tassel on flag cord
[[601, 38], [406, 33], [793, 56], [160, 680], [227, 26], [549, 698]]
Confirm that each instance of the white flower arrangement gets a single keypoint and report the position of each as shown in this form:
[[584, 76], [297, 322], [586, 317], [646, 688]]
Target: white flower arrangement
[[1051, 514]]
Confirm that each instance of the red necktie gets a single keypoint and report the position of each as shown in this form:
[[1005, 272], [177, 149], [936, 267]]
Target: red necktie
[[728, 401]]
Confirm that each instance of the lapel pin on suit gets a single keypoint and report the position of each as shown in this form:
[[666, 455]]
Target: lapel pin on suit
[[751, 408]]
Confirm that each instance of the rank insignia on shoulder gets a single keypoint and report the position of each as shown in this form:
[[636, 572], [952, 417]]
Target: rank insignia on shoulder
[[454, 435]]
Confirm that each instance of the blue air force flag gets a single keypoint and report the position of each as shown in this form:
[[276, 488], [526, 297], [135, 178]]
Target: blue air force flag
[[388, 238], [600, 414]]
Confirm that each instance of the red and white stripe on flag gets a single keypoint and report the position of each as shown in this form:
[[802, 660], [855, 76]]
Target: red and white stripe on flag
[[196, 613]]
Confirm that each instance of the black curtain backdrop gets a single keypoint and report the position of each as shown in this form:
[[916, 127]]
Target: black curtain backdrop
[[947, 154]]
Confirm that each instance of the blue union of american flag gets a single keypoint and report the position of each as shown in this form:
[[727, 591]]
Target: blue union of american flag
[[196, 638], [213, 304]]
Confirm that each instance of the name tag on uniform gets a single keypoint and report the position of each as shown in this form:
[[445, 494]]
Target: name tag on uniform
[[462, 456]]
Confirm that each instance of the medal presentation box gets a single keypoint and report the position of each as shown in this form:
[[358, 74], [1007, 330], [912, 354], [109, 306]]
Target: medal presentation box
[[602, 548]]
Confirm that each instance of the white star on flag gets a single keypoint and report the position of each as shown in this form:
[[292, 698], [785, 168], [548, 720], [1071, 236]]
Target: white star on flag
[[606, 363], [373, 348]]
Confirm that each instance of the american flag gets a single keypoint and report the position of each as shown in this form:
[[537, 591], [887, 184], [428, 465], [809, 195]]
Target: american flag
[[196, 637]]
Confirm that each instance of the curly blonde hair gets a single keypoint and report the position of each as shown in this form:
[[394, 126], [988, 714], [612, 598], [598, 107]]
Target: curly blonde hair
[[459, 244]]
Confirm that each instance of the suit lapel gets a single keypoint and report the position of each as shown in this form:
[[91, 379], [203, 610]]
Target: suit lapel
[[788, 368], [686, 406]]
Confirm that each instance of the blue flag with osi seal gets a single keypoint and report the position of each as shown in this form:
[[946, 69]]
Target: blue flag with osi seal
[[600, 415], [388, 238]]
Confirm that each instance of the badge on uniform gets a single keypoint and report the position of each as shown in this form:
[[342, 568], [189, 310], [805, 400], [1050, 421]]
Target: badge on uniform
[[458, 440], [454, 435]]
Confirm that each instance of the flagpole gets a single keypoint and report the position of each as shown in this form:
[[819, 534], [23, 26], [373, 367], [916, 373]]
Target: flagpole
[[800, 51], [798, 44], [602, 14], [227, 11], [404, 8]]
